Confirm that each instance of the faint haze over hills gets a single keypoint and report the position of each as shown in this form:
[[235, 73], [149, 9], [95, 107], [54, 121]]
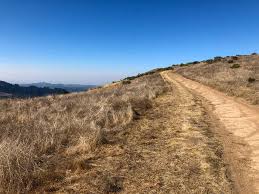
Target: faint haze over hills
[[94, 42], [67, 87], [17, 91], [30, 74]]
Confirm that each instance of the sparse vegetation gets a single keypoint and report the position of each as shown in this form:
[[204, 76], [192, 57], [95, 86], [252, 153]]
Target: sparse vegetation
[[233, 80], [149, 73]]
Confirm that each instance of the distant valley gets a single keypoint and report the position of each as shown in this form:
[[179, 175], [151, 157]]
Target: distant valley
[[8, 90], [67, 87]]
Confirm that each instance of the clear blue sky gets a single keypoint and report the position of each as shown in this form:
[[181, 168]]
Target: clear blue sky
[[96, 41]]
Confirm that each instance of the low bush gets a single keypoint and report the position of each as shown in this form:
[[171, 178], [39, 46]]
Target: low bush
[[195, 62], [191, 63], [251, 80], [234, 58], [209, 61], [234, 66], [216, 59], [126, 82]]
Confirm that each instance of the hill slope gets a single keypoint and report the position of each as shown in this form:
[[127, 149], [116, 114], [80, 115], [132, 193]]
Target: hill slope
[[140, 136], [39, 134], [237, 76]]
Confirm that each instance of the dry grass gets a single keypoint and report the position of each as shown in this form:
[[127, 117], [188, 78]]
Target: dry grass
[[230, 75], [37, 133], [170, 148]]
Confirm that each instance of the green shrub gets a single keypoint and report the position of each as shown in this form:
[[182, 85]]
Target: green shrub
[[235, 66], [230, 61]]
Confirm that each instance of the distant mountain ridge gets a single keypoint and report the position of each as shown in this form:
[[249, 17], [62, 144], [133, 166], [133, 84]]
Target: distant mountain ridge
[[67, 87], [14, 90]]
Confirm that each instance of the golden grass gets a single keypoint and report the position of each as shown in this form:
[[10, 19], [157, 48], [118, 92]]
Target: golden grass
[[35, 133], [169, 148], [226, 75]]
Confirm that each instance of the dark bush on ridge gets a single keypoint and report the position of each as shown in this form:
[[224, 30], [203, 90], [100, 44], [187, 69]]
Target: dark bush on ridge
[[209, 61], [234, 58], [149, 72], [217, 59], [126, 82]]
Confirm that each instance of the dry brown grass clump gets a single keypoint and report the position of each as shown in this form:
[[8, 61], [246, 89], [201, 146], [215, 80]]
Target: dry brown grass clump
[[231, 75], [34, 133]]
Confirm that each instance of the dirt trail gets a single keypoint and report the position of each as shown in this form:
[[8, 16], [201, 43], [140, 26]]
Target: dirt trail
[[240, 119], [168, 149]]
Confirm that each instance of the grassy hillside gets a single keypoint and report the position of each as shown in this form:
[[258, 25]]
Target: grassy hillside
[[38, 134], [236, 76]]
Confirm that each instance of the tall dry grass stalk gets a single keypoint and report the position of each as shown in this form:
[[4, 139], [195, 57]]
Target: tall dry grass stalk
[[34, 131]]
